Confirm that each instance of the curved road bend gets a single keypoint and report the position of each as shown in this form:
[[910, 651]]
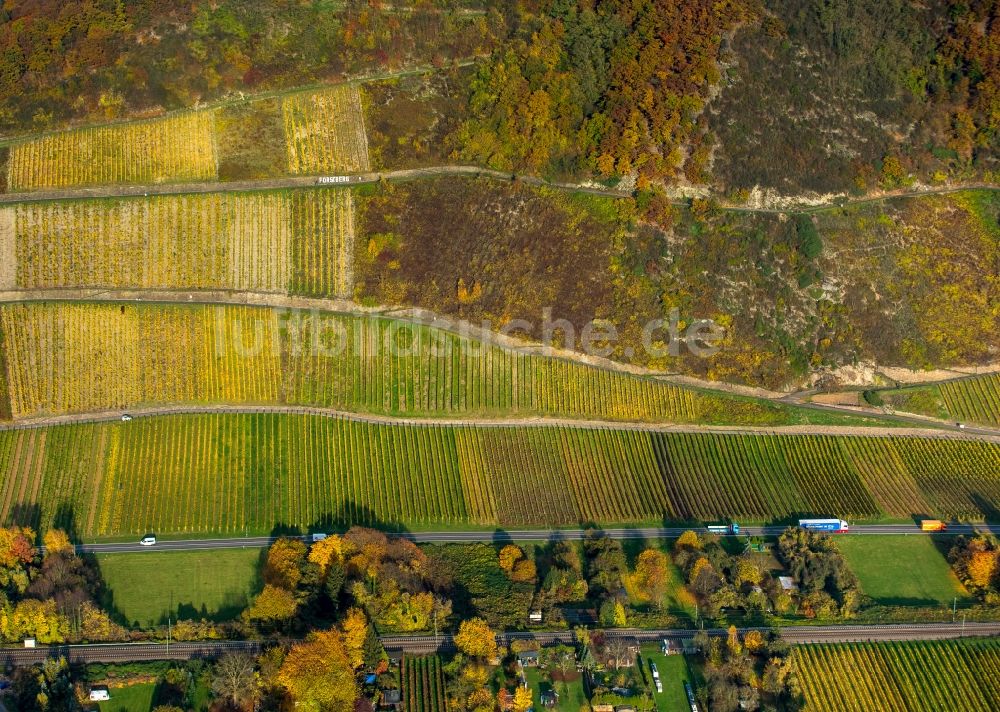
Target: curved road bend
[[503, 535], [126, 652]]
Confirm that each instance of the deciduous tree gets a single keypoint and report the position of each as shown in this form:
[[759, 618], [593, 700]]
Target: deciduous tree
[[235, 679], [476, 639], [283, 567], [318, 675], [652, 575]]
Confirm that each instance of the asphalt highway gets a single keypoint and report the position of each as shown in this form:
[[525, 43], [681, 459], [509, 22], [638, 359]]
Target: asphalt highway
[[500, 535]]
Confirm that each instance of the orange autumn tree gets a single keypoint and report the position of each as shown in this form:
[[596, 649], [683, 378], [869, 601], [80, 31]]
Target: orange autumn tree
[[652, 575], [317, 674], [476, 639], [283, 567]]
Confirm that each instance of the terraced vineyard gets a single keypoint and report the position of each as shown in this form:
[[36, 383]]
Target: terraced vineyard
[[134, 354], [975, 400], [176, 148], [903, 677], [139, 354], [277, 241], [325, 131], [236, 474], [423, 684], [968, 400]]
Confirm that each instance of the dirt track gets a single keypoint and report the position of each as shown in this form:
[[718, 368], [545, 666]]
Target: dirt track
[[534, 421], [115, 191]]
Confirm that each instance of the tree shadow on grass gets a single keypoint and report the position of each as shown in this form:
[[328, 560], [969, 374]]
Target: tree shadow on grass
[[25, 514]]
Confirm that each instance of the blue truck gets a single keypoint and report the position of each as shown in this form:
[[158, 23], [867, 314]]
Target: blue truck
[[837, 526]]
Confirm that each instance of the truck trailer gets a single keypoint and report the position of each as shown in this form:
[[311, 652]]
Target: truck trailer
[[836, 526], [724, 529], [932, 525]]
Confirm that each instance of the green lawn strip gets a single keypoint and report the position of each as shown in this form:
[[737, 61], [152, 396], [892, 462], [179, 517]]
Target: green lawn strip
[[673, 671], [134, 698], [571, 695], [902, 569], [215, 585]]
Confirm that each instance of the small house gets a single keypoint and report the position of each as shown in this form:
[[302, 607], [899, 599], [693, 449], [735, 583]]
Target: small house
[[100, 693], [535, 617], [549, 698], [528, 658], [670, 646], [603, 708], [392, 699], [624, 708], [788, 584]]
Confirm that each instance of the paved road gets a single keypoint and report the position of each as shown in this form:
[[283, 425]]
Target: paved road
[[498, 535], [797, 400], [125, 652]]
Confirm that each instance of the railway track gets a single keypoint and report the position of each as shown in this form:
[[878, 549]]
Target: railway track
[[128, 652]]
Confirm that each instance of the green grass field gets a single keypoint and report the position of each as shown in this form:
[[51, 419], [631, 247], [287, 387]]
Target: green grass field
[[902, 570], [673, 671], [192, 585], [572, 698], [135, 698]]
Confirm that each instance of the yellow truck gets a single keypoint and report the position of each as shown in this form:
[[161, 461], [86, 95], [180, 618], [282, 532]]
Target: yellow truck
[[932, 525]]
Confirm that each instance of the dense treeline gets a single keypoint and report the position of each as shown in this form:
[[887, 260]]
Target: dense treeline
[[879, 92], [621, 87], [95, 59], [612, 87]]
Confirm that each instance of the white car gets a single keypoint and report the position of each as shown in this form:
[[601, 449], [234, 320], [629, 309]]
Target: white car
[[318, 536], [148, 540], [126, 417]]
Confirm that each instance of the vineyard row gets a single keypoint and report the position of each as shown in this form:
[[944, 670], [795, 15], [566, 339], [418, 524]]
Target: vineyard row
[[324, 133], [143, 354], [275, 241], [901, 677], [244, 474]]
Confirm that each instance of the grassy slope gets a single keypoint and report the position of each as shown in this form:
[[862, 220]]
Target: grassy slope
[[902, 570], [788, 304], [214, 584]]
